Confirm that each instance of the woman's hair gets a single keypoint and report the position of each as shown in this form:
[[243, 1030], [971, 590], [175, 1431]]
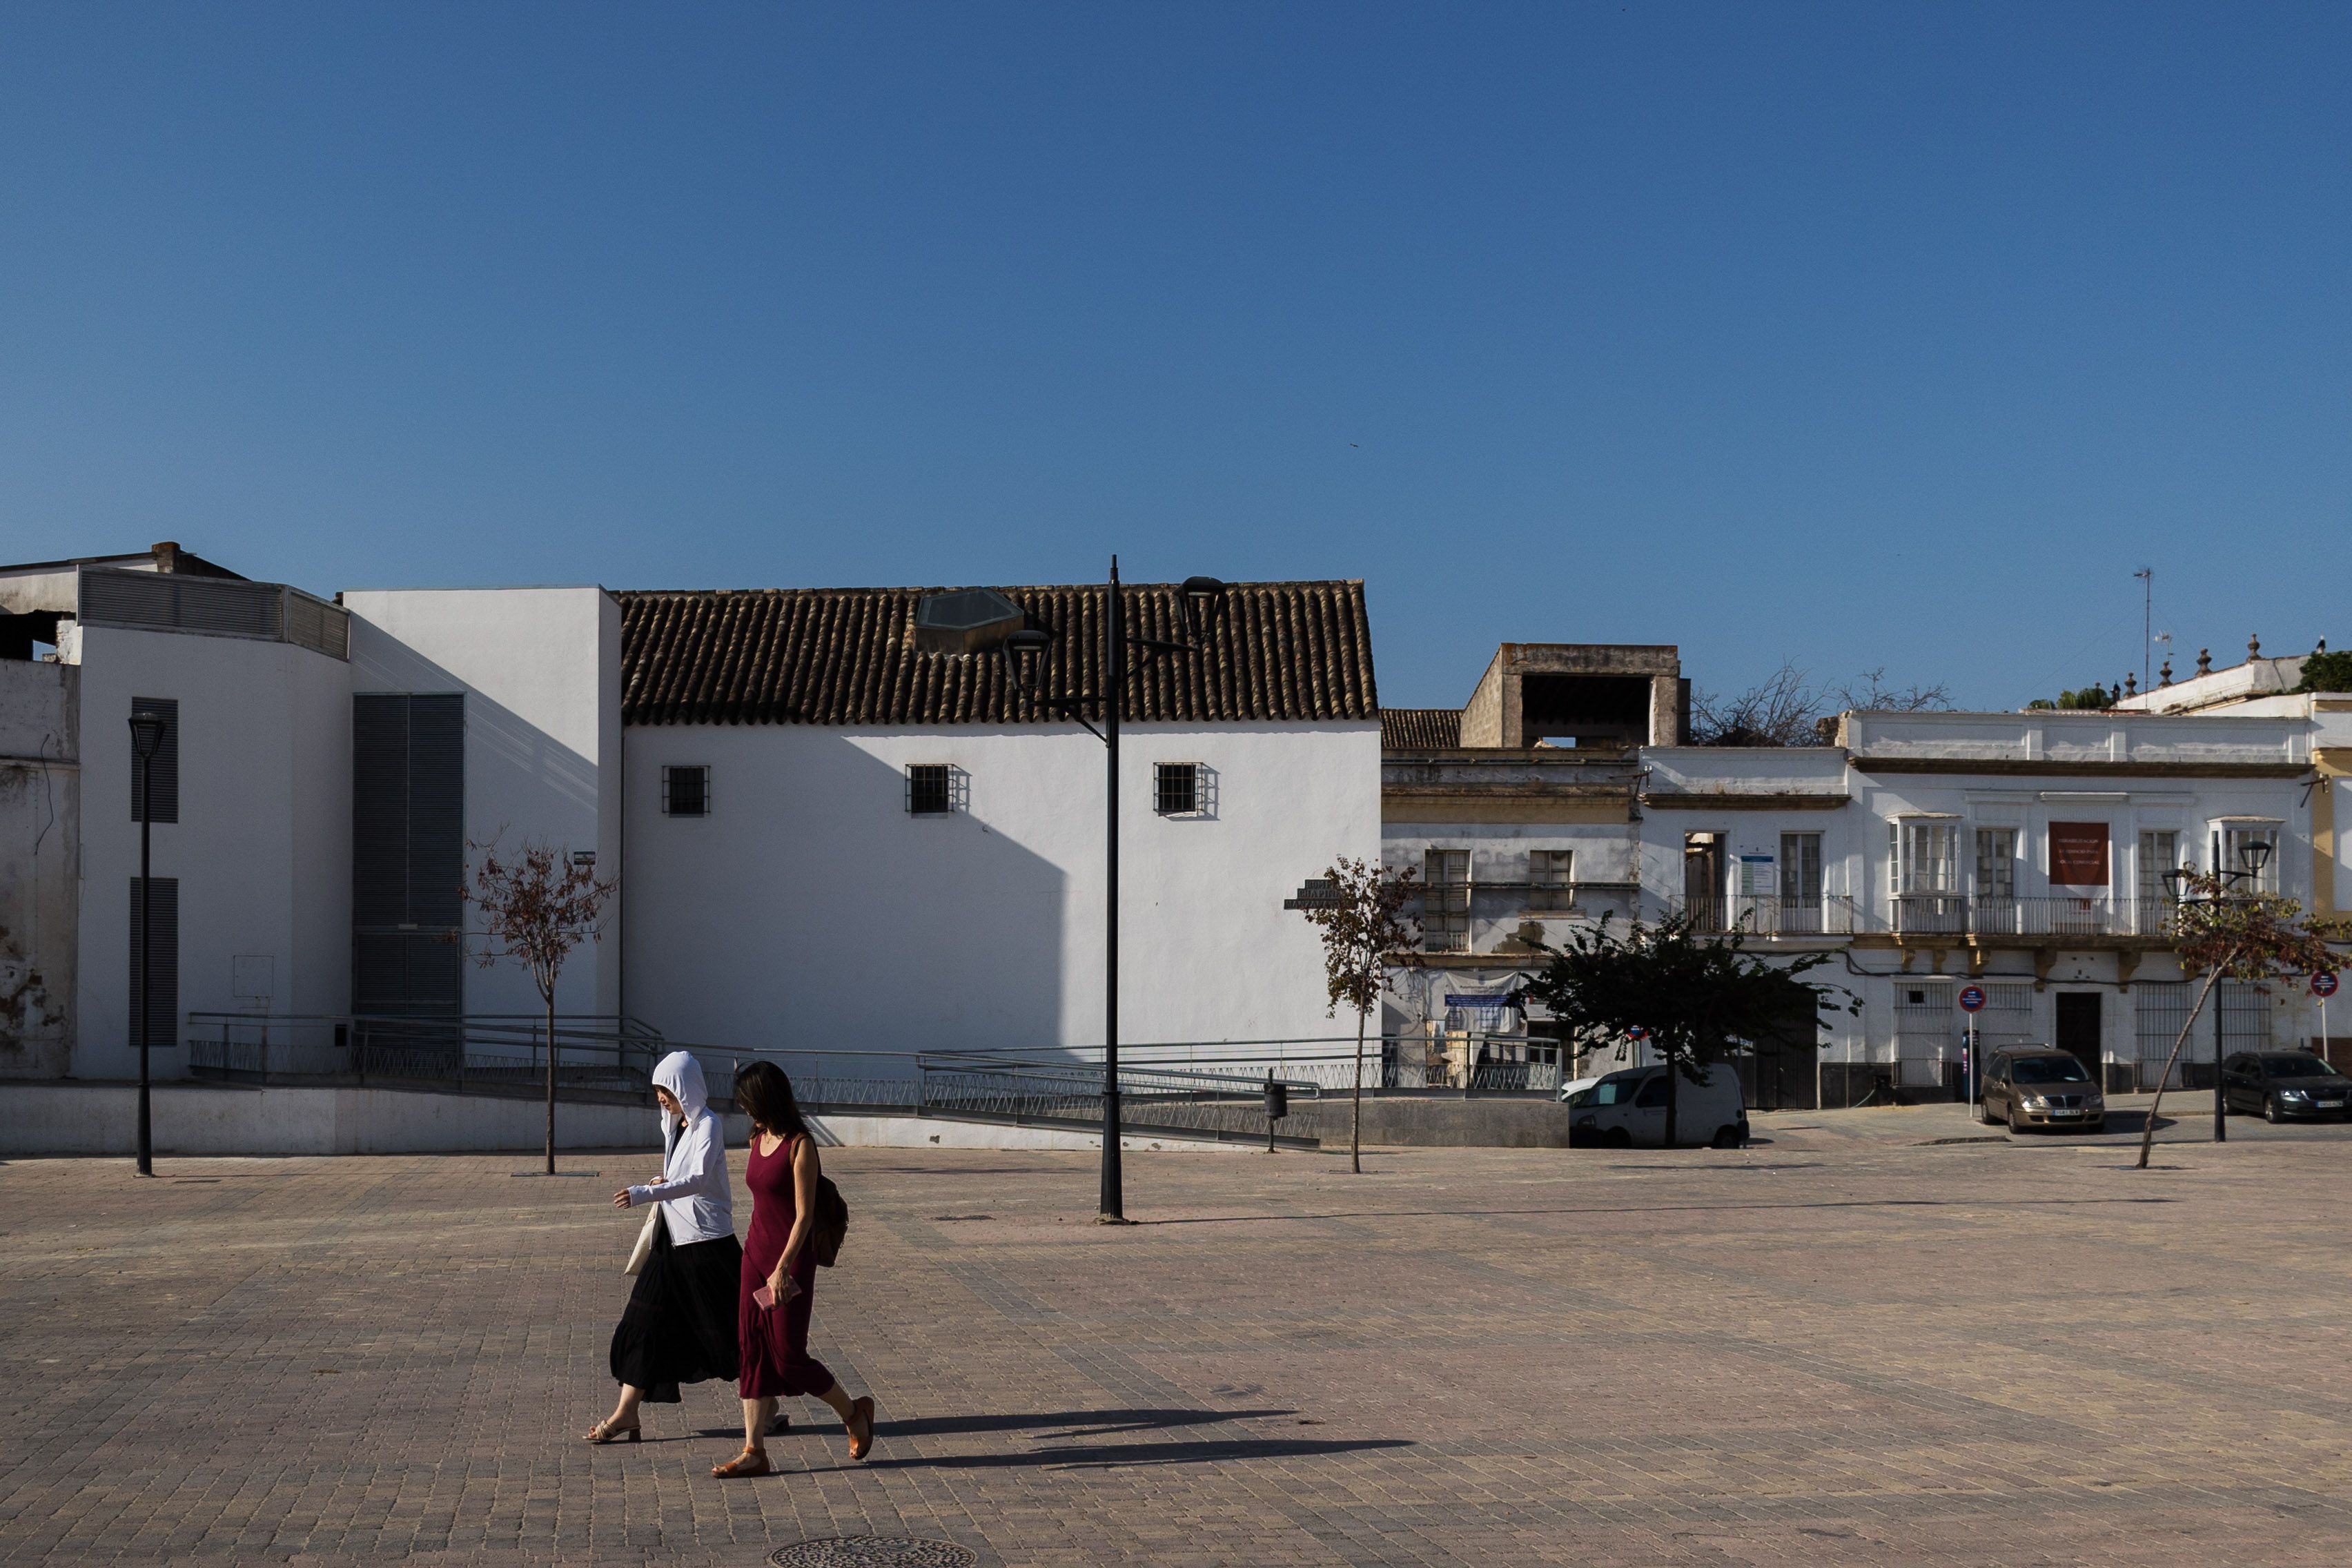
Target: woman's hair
[[764, 1094]]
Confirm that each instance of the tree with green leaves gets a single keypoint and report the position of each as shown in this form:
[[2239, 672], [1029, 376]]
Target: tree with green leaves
[[2327, 671], [1359, 911], [2225, 933], [1701, 996], [537, 906]]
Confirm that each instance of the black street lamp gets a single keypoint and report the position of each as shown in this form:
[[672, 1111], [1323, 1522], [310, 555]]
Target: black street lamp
[[2256, 856], [146, 738], [1024, 651]]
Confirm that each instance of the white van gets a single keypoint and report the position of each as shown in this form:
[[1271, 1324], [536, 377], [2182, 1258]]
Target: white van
[[1628, 1110]]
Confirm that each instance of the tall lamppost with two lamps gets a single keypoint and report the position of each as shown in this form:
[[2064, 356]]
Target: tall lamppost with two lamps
[[2230, 885], [1026, 651], [146, 739]]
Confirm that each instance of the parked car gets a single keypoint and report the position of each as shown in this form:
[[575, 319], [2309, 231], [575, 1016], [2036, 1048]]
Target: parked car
[[2037, 1087], [1623, 1109], [2285, 1084]]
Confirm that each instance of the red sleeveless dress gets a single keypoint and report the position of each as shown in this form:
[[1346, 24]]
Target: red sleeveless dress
[[776, 1359]]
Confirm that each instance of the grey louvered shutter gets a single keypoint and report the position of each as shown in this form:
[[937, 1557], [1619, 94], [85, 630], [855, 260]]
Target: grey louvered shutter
[[408, 854], [163, 768], [164, 979]]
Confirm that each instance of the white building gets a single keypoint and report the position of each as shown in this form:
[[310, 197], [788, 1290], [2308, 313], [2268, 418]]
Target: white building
[[2020, 852], [823, 836]]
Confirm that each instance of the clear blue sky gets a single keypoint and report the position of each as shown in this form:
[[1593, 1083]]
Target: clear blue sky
[[1857, 335]]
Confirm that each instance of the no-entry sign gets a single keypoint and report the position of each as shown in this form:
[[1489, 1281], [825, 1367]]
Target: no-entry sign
[[1971, 997], [2323, 982]]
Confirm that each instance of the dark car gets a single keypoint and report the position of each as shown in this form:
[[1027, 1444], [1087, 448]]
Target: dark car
[[2037, 1087], [2285, 1084]]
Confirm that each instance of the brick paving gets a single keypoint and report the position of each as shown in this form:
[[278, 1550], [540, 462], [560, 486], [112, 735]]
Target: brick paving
[[1848, 1344]]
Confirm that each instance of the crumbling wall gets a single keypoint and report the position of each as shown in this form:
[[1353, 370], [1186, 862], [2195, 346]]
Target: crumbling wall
[[40, 842]]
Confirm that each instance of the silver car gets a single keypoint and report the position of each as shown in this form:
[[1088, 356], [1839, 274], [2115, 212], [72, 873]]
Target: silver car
[[2037, 1087]]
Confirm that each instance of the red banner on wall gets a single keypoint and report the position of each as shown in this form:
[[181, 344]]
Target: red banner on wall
[[2078, 854]]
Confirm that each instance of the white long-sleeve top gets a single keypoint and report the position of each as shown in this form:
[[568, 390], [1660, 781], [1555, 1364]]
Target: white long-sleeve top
[[697, 1203]]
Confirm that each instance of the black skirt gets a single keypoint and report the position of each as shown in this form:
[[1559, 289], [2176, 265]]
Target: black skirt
[[680, 1324]]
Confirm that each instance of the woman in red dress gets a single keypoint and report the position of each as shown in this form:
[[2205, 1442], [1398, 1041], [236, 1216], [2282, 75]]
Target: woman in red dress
[[781, 1174]]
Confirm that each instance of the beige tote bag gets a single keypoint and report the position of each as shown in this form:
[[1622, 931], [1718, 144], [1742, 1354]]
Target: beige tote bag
[[644, 1246]]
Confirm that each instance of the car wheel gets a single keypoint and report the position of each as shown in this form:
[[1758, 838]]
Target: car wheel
[[2271, 1111], [1987, 1114], [2013, 1127], [1726, 1137], [1619, 1138]]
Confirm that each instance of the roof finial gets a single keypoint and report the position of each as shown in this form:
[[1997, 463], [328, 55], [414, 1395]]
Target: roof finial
[[2321, 647], [2131, 684], [2164, 675], [2253, 648], [2204, 662]]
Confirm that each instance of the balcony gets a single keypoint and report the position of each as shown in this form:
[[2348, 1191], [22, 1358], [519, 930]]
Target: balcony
[[2050, 915]]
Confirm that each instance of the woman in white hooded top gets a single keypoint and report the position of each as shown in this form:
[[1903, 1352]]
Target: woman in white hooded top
[[679, 1325]]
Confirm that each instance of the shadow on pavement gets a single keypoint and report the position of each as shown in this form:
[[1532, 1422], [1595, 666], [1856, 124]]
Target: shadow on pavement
[[1114, 1455], [1644, 1208]]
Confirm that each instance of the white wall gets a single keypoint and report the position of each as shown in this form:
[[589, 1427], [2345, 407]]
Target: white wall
[[40, 837], [811, 910], [262, 846], [541, 672]]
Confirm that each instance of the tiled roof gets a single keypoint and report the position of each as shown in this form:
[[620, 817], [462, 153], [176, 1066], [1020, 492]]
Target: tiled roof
[[1421, 729], [846, 657]]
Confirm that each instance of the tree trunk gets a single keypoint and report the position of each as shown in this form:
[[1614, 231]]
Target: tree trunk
[[2148, 1133], [550, 1080], [1356, 1120]]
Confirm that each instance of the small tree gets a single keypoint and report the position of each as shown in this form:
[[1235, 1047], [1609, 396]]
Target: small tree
[[536, 908], [1359, 913], [1696, 994], [2257, 937]]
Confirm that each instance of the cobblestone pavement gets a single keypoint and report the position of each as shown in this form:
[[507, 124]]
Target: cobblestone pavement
[[1847, 1344]]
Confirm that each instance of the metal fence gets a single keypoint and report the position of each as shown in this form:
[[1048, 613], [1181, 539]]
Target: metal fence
[[473, 1050]]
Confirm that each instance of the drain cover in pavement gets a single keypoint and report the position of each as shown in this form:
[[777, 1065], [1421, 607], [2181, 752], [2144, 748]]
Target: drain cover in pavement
[[872, 1551]]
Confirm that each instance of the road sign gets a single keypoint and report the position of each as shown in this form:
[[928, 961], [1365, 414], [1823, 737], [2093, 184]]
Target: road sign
[[1971, 997], [1637, 1033], [2323, 982]]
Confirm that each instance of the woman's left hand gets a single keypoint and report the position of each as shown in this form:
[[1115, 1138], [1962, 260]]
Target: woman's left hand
[[621, 1199]]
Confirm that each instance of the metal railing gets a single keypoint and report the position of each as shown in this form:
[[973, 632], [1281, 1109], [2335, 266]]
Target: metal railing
[[474, 1049]]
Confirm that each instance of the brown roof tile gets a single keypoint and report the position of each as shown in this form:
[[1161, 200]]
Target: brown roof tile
[[846, 657], [1421, 729]]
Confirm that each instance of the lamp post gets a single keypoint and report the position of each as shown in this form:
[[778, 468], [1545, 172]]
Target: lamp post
[[1025, 651], [146, 737], [2255, 855]]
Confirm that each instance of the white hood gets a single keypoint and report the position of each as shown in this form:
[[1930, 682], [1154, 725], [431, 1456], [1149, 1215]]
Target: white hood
[[682, 1076]]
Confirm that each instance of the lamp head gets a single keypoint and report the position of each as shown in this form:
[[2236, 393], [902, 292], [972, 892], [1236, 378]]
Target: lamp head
[[2176, 881], [146, 732], [1026, 650], [2256, 854], [1204, 598]]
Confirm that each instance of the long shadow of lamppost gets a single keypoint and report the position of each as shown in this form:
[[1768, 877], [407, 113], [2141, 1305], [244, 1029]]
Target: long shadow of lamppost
[[1025, 651]]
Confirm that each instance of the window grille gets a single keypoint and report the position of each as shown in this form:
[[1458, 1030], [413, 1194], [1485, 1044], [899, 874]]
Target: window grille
[[937, 789], [1176, 789], [1445, 900], [164, 767], [686, 791], [1550, 879]]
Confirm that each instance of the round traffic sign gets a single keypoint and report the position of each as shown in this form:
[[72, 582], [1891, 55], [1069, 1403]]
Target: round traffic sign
[[1971, 997], [1637, 1033], [2323, 982]]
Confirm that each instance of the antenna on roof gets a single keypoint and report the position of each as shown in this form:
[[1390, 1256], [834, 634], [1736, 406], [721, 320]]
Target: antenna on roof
[[2146, 576]]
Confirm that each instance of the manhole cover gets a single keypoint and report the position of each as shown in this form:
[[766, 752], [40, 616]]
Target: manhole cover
[[872, 1551]]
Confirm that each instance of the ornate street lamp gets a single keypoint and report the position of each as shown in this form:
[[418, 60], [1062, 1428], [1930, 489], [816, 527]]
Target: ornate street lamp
[[146, 739], [2254, 855], [1026, 653]]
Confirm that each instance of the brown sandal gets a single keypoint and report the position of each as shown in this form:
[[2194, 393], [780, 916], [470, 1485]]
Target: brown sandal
[[861, 1411], [750, 1462], [611, 1432]]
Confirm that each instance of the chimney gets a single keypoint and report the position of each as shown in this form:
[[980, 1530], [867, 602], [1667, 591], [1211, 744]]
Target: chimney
[[167, 555]]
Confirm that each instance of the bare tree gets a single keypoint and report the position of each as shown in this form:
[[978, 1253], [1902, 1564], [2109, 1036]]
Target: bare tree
[[1868, 692], [1357, 911], [536, 908], [2227, 935], [1776, 712]]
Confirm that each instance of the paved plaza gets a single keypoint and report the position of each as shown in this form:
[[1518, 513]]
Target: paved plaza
[[1850, 1343]]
